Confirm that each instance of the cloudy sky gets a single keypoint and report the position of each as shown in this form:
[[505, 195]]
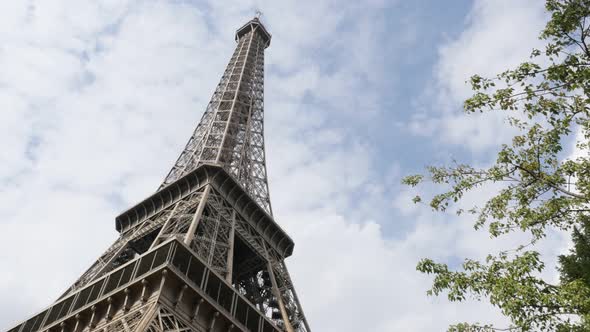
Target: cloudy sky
[[97, 99]]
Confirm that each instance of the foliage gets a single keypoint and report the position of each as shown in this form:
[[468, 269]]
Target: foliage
[[547, 100], [575, 267]]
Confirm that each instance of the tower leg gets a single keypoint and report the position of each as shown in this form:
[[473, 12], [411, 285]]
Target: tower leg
[[190, 234], [277, 293], [230, 253]]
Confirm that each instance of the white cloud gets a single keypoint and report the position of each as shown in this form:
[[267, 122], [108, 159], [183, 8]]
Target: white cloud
[[365, 277], [498, 35], [102, 95]]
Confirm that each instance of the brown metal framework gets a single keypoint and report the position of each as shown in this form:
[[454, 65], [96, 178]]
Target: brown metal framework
[[203, 253], [231, 130]]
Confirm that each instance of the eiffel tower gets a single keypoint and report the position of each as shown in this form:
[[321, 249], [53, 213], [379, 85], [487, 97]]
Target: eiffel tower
[[203, 253]]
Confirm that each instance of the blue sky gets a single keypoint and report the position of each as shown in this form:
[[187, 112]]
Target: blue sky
[[99, 97]]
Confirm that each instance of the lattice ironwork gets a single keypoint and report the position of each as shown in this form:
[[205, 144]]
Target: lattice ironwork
[[128, 322], [231, 130], [212, 241], [288, 296], [183, 212], [121, 250], [210, 224], [166, 321]]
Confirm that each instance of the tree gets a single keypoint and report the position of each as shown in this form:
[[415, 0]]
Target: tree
[[547, 100], [575, 267]]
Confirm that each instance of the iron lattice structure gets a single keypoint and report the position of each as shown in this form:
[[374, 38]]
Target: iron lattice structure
[[203, 253], [231, 130]]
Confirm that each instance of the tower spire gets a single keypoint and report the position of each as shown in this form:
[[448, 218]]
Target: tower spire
[[231, 131], [203, 252], [258, 14]]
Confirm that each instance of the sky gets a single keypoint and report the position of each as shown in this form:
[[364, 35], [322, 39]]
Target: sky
[[98, 98]]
